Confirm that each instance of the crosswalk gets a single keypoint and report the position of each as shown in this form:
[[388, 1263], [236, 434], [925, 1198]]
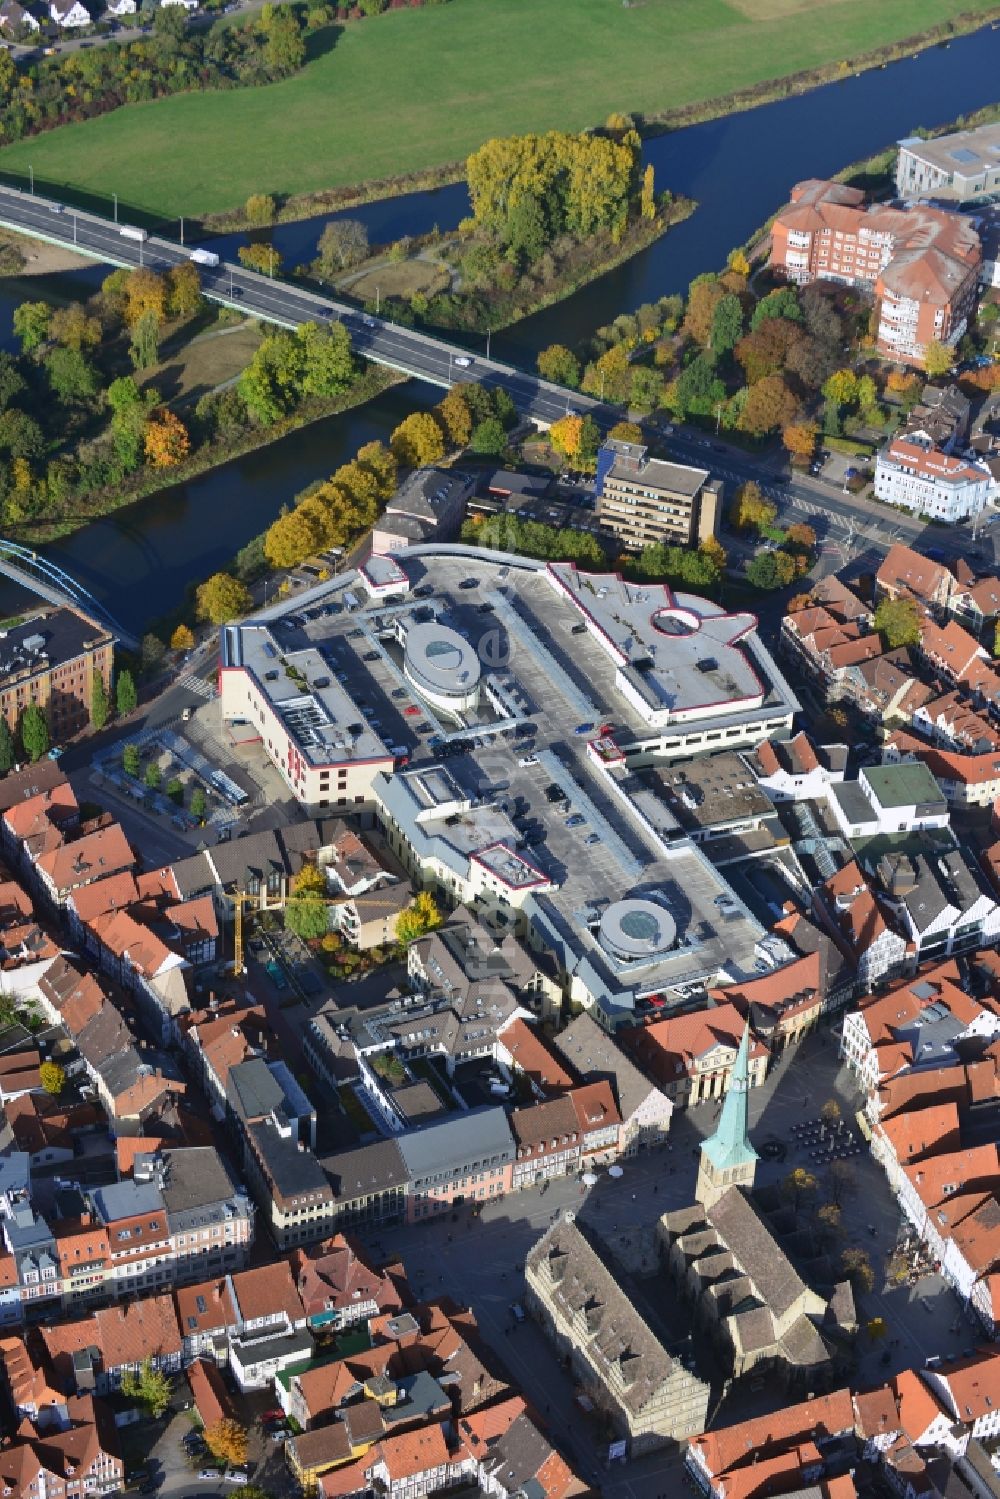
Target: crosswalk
[[197, 684]]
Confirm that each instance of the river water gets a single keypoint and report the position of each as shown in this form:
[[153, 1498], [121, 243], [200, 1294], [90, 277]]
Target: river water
[[739, 169]]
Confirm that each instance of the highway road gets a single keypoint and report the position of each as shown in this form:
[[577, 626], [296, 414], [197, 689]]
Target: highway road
[[273, 300], [851, 522]]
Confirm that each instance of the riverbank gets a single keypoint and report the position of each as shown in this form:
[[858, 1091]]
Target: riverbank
[[20, 257], [324, 127], [148, 483]]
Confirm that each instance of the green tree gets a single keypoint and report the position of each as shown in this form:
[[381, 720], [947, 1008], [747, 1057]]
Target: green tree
[[99, 704], [769, 570], [489, 438], [842, 388], [12, 382], [151, 652], [7, 754], [899, 622], [70, 376], [698, 389], [590, 442], [285, 48], [20, 435], [34, 731], [221, 598], [126, 696], [560, 365], [199, 804], [31, 324], [131, 761], [327, 361], [271, 384], [175, 791], [154, 776], [151, 1387], [306, 916], [52, 1078], [727, 324], [144, 350], [783, 303]]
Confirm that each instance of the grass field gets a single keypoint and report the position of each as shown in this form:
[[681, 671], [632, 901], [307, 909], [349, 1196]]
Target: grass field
[[417, 88]]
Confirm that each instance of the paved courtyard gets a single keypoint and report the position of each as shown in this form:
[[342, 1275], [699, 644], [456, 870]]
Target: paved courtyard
[[481, 1261]]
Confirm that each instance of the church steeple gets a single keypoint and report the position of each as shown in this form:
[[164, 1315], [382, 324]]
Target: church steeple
[[727, 1157]]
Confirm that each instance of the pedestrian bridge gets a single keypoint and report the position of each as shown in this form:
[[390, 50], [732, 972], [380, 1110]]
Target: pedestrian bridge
[[52, 583]]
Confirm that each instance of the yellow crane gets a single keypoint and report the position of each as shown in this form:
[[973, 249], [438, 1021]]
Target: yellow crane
[[238, 900]]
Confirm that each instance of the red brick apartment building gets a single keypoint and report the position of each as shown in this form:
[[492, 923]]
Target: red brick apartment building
[[51, 660], [921, 264]]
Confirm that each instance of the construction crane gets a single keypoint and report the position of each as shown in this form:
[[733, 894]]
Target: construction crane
[[238, 900]]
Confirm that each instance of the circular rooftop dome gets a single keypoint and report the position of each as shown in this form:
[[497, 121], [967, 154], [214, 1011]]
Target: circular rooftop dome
[[442, 665], [636, 931], [672, 620]]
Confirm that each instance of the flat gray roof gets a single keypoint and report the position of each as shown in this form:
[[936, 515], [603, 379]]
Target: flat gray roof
[[457, 1144]]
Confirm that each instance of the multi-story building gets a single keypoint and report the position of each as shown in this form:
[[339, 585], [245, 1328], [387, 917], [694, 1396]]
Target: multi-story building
[[915, 475], [548, 1142], [650, 1397], [921, 264], [951, 168], [644, 500], [464, 1158], [51, 660]]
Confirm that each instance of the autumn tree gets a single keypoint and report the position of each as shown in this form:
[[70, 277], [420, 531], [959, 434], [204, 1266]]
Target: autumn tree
[[184, 290], [764, 351], [842, 388], [704, 295], [769, 405], [166, 442], [647, 195], [455, 418], [259, 210], [830, 1112], [343, 243], [938, 358], [73, 328], [899, 622], [380, 461], [52, 1078], [565, 435], [150, 1386], [738, 262], [799, 439], [262, 258], [769, 570], [421, 916], [800, 537], [292, 538], [417, 440], [828, 1217], [858, 1268], [626, 432], [182, 639], [226, 1440], [799, 1183], [145, 291], [751, 510], [560, 365], [221, 598]]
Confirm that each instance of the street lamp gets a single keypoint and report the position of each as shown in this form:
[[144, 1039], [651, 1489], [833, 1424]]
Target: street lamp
[[488, 333], [378, 300], [182, 228], [74, 228], [115, 196], [31, 180], [230, 283], [270, 251]]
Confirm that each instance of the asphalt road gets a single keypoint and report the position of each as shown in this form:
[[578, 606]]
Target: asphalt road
[[405, 349]]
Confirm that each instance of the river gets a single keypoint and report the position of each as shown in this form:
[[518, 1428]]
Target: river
[[739, 169]]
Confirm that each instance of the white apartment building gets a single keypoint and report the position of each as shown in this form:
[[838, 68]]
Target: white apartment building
[[915, 475]]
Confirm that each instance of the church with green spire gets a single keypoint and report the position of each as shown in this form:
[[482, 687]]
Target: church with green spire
[[727, 1157]]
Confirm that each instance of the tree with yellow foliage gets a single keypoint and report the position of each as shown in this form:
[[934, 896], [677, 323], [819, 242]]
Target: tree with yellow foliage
[[738, 262], [799, 439], [751, 511], [565, 434], [417, 440], [184, 295], [626, 432], [420, 917], [647, 199], [226, 1440], [166, 441], [221, 598], [145, 291], [182, 639], [262, 258], [455, 417], [292, 538]]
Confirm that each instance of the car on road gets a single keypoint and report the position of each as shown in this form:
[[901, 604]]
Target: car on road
[[185, 715], [591, 839], [369, 322], [469, 583], [575, 821], [584, 728], [412, 711], [209, 1474], [235, 1475], [463, 361], [517, 1311]]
